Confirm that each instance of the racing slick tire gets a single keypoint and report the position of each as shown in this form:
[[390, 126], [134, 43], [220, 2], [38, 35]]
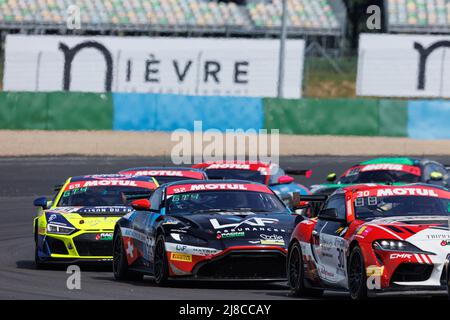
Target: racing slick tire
[[357, 277], [448, 281], [38, 263], [120, 264], [161, 264], [296, 274]]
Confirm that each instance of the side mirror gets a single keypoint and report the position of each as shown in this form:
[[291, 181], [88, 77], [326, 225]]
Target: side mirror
[[331, 177], [41, 202], [141, 205], [330, 214], [285, 180], [436, 176]]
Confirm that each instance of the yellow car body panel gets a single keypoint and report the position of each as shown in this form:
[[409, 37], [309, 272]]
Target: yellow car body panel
[[101, 227]]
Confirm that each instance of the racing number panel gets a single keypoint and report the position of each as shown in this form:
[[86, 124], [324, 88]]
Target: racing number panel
[[328, 245]]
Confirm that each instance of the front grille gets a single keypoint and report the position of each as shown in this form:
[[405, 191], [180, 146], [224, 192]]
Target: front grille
[[410, 272], [246, 265], [56, 246], [88, 245]]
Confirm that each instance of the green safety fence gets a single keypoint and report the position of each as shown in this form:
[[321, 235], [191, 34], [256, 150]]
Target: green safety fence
[[56, 111], [365, 117], [93, 111]]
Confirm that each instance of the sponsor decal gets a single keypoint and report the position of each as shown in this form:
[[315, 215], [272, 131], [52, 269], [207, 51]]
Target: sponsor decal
[[130, 233], [106, 236], [442, 236], [407, 192], [400, 256], [217, 186], [180, 257], [166, 173], [130, 250], [252, 222], [110, 182], [236, 166], [445, 243], [109, 176], [386, 167], [363, 231], [117, 209], [400, 65], [192, 250], [374, 271], [230, 235], [272, 239], [170, 222], [205, 66], [52, 217]]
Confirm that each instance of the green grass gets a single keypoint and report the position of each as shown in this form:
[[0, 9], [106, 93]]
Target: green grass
[[322, 80]]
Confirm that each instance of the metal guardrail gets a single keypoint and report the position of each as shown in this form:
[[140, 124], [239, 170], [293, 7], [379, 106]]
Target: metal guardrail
[[238, 30]]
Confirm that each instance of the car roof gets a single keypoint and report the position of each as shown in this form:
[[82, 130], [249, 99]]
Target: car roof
[[254, 165], [193, 181], [108, 177], [364, 187], [163, 169], [392, 160]]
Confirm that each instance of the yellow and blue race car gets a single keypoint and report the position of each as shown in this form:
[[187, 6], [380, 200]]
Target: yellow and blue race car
[[77, 225]]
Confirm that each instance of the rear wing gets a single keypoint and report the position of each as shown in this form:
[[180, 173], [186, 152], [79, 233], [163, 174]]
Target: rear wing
[[139, 196], [299, 172], [310, 198], [311, 203]]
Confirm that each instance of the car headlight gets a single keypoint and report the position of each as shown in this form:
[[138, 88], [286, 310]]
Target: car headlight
[[396, 245], [59, 229], [187, 238]]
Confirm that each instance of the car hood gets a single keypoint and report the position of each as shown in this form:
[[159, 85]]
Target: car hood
[[413, 228], [239, 228], [87, 218]]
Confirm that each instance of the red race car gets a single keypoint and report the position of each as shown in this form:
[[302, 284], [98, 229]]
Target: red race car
[[269, 174], [371, 239]]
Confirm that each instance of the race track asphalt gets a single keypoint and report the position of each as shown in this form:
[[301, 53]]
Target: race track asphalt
[[25, 178]]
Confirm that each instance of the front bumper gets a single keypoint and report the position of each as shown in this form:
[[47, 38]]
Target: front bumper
[[256, 263], [399, 271], [91, 246]]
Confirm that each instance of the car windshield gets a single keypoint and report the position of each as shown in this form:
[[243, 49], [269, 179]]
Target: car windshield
[[100, 196], [393, 206], [379, 176], [166, 179], [249, 175], [224, 200]]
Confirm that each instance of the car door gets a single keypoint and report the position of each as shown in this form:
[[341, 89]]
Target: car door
[[329, 245], [143, 230]]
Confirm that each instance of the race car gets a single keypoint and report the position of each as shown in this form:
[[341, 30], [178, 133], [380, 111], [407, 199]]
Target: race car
[[269, 174], [77, 225], [370, 239], [167, 174], [390, 171], [210, 230]]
